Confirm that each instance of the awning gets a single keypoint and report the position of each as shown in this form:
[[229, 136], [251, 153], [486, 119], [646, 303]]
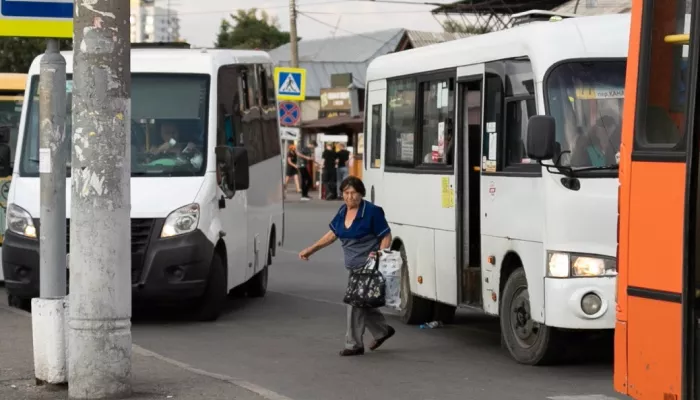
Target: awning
[[341, 123]]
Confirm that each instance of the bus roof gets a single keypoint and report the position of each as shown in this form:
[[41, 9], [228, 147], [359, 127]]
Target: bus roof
[[165, 60], [12, 81], [546, 43]]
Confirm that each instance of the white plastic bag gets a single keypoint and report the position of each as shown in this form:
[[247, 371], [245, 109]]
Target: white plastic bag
[[390, 264]]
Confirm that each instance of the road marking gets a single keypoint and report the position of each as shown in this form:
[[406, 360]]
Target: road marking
[[261, 391], [251, 387], [584, 397]]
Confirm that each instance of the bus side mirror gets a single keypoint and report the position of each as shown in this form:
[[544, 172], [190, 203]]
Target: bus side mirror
[[232, 162], [541, 137], [241, 169]]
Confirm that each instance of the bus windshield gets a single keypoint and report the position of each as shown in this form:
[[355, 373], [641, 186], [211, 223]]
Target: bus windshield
[[168, 125], [10, 112], [585, 98]]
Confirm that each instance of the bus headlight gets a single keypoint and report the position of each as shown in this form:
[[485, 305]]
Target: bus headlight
[[563, 265], [181, 221], [19, 221]]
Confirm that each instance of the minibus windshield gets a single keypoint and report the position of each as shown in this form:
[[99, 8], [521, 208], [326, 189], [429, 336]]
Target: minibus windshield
[[585, 98], [168, 125]]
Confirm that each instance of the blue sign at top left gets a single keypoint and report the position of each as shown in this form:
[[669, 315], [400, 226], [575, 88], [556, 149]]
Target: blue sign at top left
[[36, 18]]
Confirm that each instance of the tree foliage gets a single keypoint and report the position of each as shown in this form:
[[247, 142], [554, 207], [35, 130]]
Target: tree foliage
[[18, 53], [250, 29], [452, 26]]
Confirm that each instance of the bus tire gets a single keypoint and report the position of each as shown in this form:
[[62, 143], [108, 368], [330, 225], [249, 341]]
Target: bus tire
[[414, 309], [257, 286], [527, 341], [19, 303], [211, 304], [444, 313]]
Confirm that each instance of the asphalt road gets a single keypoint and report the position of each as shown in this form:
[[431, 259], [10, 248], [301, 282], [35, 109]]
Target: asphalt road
[[288, 342]]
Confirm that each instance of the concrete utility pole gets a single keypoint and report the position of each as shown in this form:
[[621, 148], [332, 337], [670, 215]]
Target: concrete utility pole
[[48, 311], [100, 246], [293, 33]]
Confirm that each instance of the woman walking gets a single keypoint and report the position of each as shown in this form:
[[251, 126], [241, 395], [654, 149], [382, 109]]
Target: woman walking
[[292, 170], [363, 230]]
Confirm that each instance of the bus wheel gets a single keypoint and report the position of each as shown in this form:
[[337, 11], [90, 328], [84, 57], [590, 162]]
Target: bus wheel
[[444, 313], [212, 303], [257, 286], [414, 310], [19, 302], [528, 342]]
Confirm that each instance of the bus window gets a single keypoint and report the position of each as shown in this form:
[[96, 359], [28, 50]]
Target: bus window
[[663, 96], [400, 122], [438, 107], [585, 98], [376, 136]]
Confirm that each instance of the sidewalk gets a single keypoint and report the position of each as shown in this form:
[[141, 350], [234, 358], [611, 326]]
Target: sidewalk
[[152, 377]]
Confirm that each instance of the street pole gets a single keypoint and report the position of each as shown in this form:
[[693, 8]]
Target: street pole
[[48, 311], [293, 33], [100, 246]]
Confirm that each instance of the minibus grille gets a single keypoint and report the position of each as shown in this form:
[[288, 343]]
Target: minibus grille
[[141, 229]]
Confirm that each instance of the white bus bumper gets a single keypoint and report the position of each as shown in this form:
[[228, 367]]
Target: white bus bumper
[[563, 302]]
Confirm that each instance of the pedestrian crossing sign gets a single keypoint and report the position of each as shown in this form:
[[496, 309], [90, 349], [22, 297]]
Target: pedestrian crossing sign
[[291, 83]]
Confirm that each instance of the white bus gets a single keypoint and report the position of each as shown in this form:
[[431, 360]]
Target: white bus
[[198, 230], [481, 224]]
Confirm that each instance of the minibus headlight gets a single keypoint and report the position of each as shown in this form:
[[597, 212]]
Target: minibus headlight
[[563, 265], [19, 221], [181, 221]]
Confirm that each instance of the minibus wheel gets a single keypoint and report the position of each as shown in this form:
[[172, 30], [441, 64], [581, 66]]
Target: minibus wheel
[[414, 309], [19, 302], [212, 302], [528, 342]]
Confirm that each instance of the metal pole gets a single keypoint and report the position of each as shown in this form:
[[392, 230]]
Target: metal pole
[[48, 311], [52, 165], [100, 274], [293, 33]]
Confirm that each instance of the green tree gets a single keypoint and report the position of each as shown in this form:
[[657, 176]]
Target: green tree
[[452, 26], [248, 31], [18, 53]]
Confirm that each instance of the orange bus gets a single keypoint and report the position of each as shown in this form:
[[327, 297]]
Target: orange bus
[[656, 330]]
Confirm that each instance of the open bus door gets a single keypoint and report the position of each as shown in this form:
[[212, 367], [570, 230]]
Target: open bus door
[[657, 330]]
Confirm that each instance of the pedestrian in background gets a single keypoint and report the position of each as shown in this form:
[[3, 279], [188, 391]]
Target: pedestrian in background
[[292, 169], [305, 158], [363, 230], [328, 177], [342, 163]]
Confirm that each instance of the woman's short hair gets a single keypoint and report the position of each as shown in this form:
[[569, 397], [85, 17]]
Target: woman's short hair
[[355, 183]]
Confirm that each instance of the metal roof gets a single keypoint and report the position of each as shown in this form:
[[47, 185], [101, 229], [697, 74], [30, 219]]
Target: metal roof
[[497, 7], [341, 54], [422, 39], [596, 7]]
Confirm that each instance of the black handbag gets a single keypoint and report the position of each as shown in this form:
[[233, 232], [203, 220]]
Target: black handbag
[[366, 286]]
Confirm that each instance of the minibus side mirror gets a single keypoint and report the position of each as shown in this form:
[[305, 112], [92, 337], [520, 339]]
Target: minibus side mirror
[[232, 162], [541, 137], [241, 169]]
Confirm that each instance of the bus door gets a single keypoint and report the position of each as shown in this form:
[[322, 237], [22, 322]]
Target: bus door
[[689, 48], [467, 179], [374, 132]]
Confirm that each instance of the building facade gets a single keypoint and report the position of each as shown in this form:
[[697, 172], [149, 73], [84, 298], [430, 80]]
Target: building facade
[[151, 23]]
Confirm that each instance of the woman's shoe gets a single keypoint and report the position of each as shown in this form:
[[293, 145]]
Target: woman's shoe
[[375, 345], [352, 352]]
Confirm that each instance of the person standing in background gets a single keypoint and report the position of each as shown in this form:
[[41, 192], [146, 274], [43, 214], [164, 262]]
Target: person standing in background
[[305, 157], [292, 169], [328, 177], [342, 164]]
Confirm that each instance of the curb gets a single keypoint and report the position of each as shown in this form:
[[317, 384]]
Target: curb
[[249, 386]]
